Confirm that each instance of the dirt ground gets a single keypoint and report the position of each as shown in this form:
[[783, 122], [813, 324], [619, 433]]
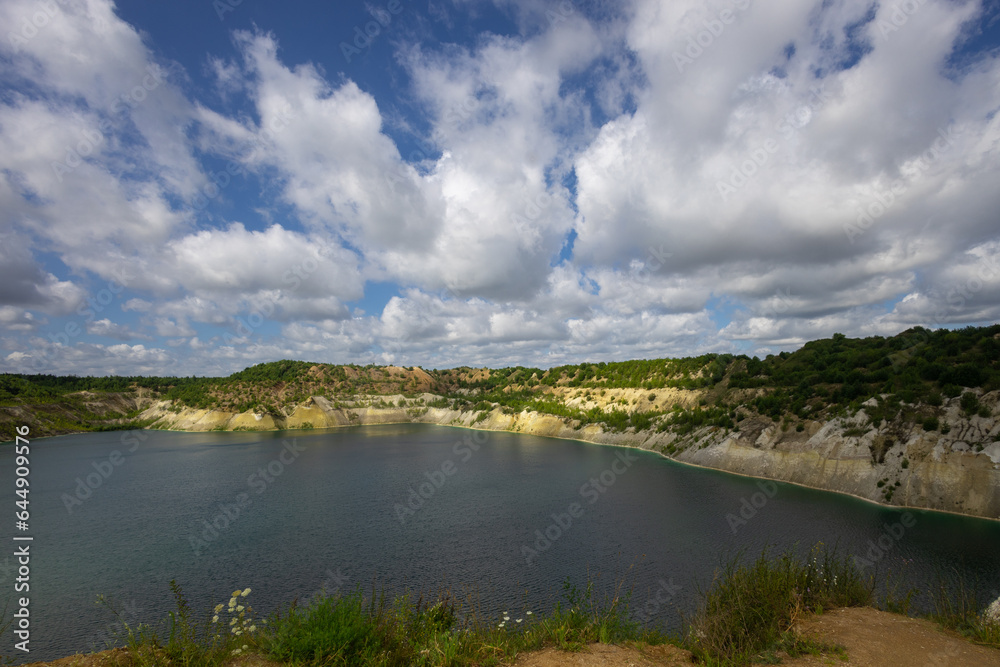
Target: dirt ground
[[872, 638]]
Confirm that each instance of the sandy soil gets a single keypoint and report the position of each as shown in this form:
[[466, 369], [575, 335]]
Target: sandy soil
[[603, 655], [872, 638]]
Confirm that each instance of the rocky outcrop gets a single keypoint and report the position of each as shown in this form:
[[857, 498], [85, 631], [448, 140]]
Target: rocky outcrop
[[992, 613], [894, 463]]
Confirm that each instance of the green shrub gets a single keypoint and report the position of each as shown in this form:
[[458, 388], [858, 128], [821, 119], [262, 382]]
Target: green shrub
[[749, 609], [951, 390], [969, 403], [329, 631]]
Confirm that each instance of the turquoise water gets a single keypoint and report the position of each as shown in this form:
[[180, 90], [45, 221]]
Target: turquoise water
[[418, 507]]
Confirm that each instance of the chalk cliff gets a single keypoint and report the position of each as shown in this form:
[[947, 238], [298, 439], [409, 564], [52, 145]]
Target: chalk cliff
[[893, 463]]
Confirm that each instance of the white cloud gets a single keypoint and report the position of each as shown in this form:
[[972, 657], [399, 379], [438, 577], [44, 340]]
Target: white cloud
[[105, 327], [892, 128], [770, 173]]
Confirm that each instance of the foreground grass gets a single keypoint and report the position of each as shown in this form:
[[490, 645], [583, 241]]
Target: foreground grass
[[375, 631], [747, 615]]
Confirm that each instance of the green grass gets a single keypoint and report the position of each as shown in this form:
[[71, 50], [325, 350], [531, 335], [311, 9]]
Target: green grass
[[353, 629], [750, 608], [958, 608]]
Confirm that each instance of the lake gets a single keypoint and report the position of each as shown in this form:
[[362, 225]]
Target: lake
[[501, 516]]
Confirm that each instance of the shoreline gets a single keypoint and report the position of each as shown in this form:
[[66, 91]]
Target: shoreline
[[995, 520]]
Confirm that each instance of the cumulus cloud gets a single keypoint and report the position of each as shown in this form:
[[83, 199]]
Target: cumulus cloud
[[651, 179], [796, 146]]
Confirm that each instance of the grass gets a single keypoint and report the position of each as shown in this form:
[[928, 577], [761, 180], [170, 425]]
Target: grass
[[354, 629], [747, 616], [958, 610], [750, 609]]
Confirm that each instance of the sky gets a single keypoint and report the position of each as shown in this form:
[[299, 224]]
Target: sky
[[194, 187]]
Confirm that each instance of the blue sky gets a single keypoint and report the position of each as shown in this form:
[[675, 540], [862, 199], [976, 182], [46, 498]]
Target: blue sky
[[195, 187]]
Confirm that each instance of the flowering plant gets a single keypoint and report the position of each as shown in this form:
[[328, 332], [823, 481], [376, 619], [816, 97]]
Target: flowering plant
[[241, 622]]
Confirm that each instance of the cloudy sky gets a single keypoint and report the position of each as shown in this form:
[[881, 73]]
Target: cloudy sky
[[193, 187]]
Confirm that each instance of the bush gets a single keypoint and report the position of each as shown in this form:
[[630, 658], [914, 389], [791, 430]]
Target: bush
[[931, 424], [329, 631], [951, 390], [969, 403]]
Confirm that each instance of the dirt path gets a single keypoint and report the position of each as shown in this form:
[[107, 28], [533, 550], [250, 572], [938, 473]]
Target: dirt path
[[603, 655], [872, 638], [878, 639]]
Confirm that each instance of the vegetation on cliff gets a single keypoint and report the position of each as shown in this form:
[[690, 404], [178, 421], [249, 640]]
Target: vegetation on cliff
[[909, 375]]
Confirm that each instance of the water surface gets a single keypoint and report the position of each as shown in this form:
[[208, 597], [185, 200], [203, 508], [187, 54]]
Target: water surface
[[297, 511]]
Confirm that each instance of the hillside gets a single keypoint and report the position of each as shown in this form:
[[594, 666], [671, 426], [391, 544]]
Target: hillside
[[903, 420]]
